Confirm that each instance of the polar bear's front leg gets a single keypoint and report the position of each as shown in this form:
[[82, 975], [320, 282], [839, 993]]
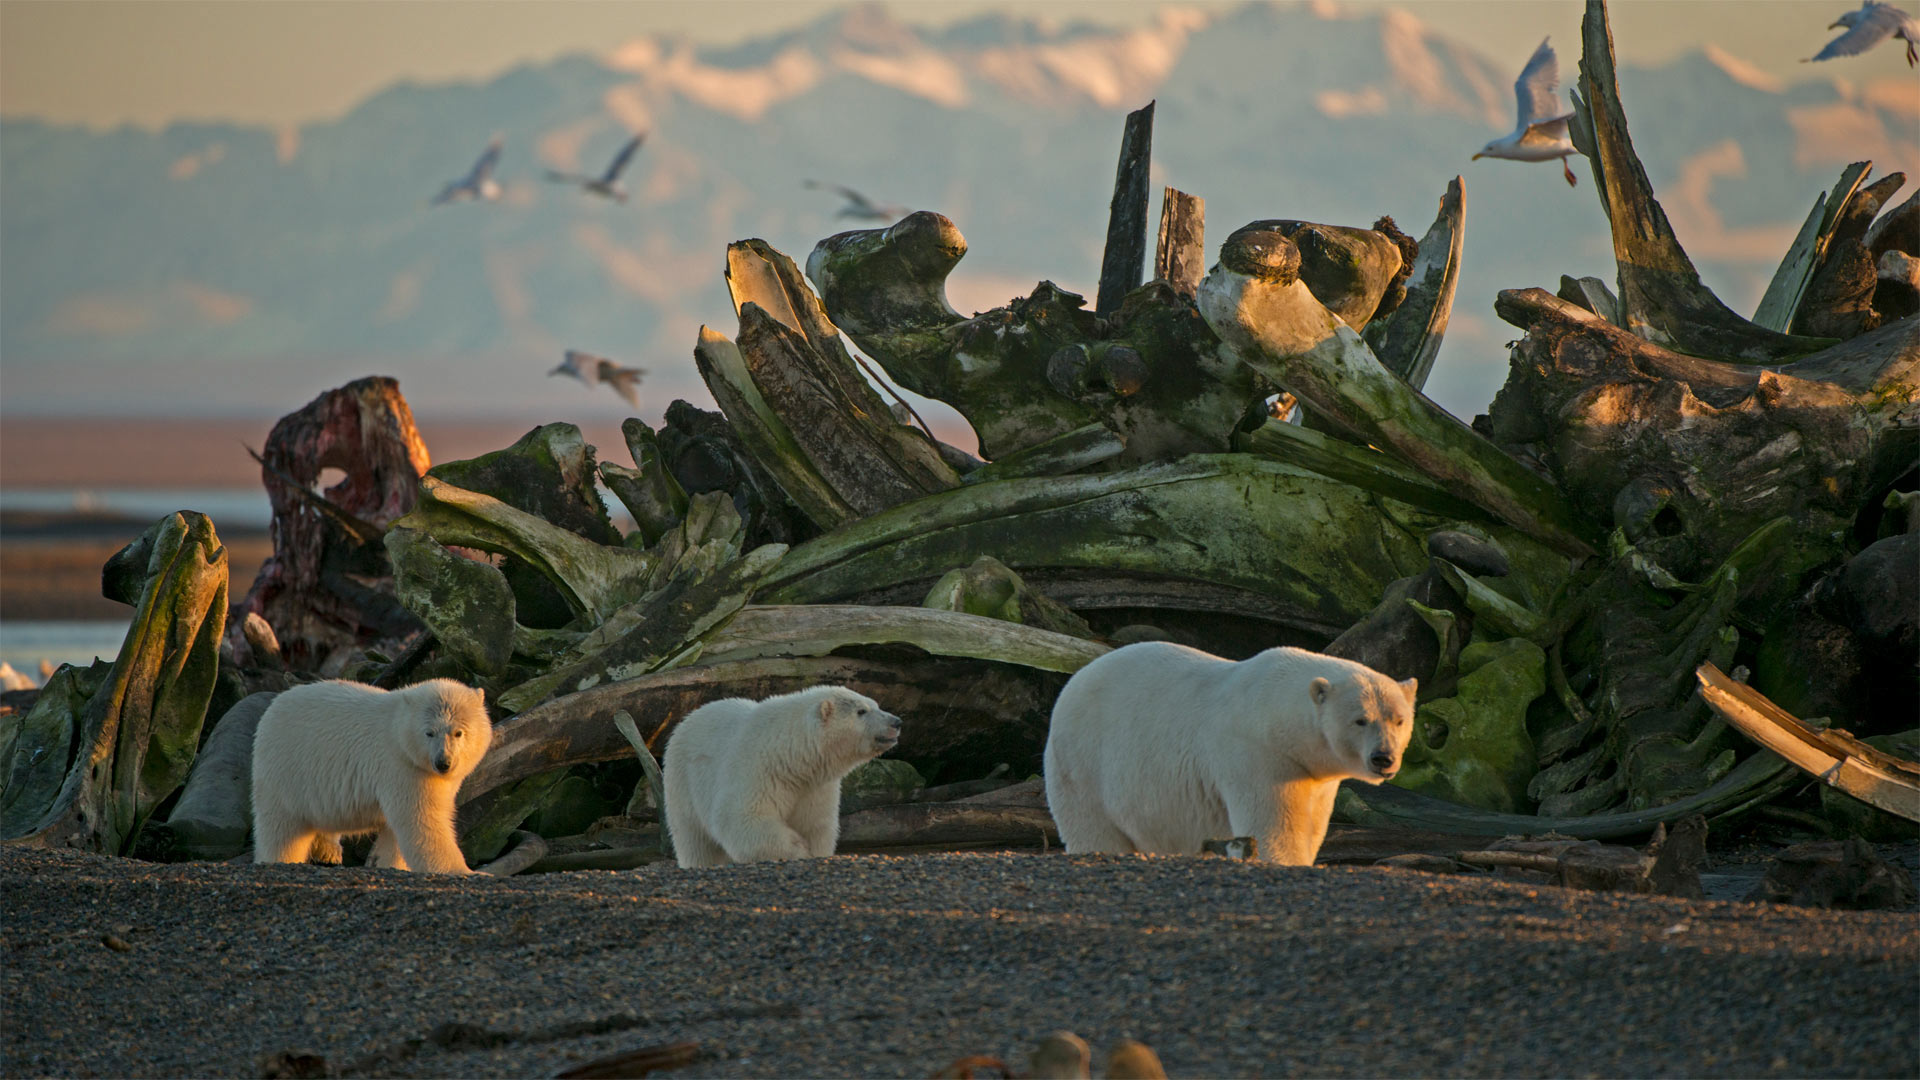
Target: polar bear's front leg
[[759, 838], [1288, 819], [816, 817], [422, 828]]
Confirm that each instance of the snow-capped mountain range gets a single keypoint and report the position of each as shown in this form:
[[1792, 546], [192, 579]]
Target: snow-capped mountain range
[[214, 267]]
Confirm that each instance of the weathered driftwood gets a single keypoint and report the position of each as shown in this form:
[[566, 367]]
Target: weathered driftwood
[[324, 590], [640, 1062], [807, 380], [1752, 782], [468, 605], [1180, 253], [1350, 272], [989, 587], [1647, 738], [1125, 256], [1661, 296], [1631, 430], [1408, 339], [971, 713], [86, 772], [1242, 526], [698, 580], [1078, 450], [1834, 756], [594, 579], [1781, 301], [1590, 293], [648, 490], [948, 825], [214, 814], [821, 629], [705, 453], [1836, 874], [1043, 365], [1269, 319], [763, 434], [1839, 296]]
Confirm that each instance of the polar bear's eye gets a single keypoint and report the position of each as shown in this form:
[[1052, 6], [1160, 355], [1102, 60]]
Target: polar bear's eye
[[1362, 722], [456, 733], [860, 712]]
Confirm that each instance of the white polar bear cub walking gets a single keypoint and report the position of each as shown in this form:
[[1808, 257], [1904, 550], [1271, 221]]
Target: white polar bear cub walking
[[1156, 747], [336, 758], [753, 780]]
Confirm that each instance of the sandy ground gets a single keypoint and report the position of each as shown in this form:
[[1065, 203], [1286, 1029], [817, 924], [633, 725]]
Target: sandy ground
[[879, 966]]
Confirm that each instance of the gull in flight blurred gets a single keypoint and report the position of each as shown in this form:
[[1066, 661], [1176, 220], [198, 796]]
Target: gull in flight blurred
[[591, 369], [607, 183], [861, 207], [478, 183], [1542, 132], [1868, 27]]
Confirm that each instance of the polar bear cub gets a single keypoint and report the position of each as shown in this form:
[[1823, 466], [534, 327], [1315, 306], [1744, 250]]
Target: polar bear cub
[[753, 780], [335, 758], [1156, 747]]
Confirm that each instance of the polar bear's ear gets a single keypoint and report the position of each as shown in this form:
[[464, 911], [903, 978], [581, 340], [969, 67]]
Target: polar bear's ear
[[1411, 686], [1321, 691], [826, 711]]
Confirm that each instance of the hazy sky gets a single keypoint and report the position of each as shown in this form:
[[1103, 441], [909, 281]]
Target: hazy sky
[[277, 62]]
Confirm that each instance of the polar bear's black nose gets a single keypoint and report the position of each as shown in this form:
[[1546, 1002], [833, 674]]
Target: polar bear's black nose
[[443, 764], [1383, 764]]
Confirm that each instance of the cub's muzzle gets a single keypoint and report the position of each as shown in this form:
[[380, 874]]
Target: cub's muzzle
[[1384, 764], [445, 765]]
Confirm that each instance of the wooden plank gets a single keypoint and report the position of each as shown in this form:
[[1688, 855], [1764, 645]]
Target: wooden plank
[[1777, 304], [1662, 298], [1180, 256], [1407, 340], [1125, 258], [1835, 757]]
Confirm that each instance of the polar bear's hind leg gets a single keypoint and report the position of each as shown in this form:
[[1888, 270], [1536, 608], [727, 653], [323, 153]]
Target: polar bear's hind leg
[[277, 842], [326, 850]]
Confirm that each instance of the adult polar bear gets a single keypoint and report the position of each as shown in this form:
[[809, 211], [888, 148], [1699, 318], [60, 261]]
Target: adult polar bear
[[753, 780], [334, 758], [1156, 747]]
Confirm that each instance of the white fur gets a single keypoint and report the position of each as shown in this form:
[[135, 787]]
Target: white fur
[[1158, 748], [752, 780], [336, 758]]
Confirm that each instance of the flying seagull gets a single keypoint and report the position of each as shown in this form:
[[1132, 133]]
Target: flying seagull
[[1868, 27], [861, 207], [478, 183], [591, 369], [607, 183], [1542, 132]]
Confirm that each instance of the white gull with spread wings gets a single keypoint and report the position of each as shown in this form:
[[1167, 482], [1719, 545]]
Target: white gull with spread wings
[[479, 182], [1541, 134], [591, 369], [1869, 26], [859, 206], [607, 183]]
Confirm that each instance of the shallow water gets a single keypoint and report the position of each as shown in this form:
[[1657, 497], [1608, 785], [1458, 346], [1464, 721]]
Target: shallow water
[[25, 644], [226, 506]]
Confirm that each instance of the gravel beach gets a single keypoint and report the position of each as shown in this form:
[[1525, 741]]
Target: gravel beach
[[896, 966]]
